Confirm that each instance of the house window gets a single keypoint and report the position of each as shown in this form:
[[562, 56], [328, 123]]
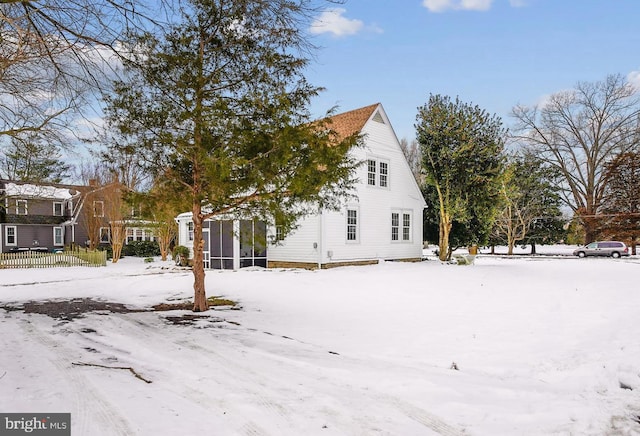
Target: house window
[[279, 233], [98, 208], [406, 227], [11, 235], [105, 235], [384, 174], [401, 226], [190, 231], [378, 173], [395, 226], [371, 172], [21, 207], [58, 209], [352, 225], [58, 236], [130, 235]]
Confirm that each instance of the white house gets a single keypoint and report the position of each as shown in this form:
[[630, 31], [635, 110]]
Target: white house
[[382, 222]]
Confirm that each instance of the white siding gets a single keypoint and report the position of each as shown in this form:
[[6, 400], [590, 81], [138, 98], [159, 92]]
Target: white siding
[[302, 245], [374, 204]]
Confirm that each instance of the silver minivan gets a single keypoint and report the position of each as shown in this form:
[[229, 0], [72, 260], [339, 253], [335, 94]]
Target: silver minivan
[[603, 248]]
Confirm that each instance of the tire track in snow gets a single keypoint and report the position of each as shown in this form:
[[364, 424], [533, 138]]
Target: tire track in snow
[[88, 402], [258, 386], [222, 375]]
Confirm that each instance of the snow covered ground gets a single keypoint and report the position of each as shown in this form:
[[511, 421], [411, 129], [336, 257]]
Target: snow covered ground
[[541, 345]]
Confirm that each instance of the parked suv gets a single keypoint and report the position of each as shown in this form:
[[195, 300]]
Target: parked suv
[[603, 248]]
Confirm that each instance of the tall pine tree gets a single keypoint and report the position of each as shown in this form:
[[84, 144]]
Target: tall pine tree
[[218, 109]]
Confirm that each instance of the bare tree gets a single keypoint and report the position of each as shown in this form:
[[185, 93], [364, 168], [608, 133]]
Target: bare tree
[[53, 55], [412, 153], [577, 132], [115, 214]]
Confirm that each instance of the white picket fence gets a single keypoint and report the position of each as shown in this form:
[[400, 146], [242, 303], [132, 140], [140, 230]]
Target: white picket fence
[[34, 259]]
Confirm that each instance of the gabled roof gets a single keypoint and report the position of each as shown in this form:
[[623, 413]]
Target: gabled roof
[[349, 123]]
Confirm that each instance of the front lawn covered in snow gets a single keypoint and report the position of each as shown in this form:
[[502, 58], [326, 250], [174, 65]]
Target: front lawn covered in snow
[[541, 346]]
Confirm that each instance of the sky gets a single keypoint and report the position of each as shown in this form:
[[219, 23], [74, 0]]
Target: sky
[[491, 53]]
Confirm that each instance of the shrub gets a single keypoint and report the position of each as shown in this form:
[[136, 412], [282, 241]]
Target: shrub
[[141, 249], [181, 255]]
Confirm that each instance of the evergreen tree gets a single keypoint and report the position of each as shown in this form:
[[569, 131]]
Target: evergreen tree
[[462, 151], [31, 159], [218, 110]]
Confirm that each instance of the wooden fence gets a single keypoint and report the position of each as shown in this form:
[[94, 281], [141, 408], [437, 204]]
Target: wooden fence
[[34, 259]]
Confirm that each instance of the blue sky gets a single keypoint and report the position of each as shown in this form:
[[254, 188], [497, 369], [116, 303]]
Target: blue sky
[[493, 53]]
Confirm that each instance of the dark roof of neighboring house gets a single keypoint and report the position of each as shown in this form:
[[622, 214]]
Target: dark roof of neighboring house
[[34, 219], [349, 123]]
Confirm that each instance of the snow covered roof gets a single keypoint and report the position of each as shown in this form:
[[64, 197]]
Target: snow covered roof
[[37, 191]]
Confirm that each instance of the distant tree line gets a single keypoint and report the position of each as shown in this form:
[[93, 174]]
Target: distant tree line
[[577, 152]]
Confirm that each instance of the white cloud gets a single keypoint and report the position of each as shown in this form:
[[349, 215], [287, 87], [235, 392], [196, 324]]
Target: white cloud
[[518, 3], [457, 5], [332, 21], [634, 78]]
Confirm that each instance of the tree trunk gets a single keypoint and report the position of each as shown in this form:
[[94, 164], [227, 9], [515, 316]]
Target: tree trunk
[[511, 243], [533, 248], [443, 244], [199, 296]]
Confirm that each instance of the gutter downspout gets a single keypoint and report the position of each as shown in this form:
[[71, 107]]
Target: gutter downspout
[[320, 238]]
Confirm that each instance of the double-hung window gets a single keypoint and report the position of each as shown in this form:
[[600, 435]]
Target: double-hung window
[[395, 226], [378, 172], [58, 208], [190, 231], [98, 208], [352, 225], [21, 207], [401, 226], [11, 236], [371, 172]]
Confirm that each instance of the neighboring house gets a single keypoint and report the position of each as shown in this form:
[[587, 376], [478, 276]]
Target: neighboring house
[[382, 222], [37, 217], [46, 217]]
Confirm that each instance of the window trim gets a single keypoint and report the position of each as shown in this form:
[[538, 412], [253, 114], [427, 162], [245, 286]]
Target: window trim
[[355, 225], [402, 232], [103, 231], [61, 242], [15, 236], [395, 226], [190, 231], [61, 204], [384, 176], [96, 213], [26, 207], [376, 178]]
